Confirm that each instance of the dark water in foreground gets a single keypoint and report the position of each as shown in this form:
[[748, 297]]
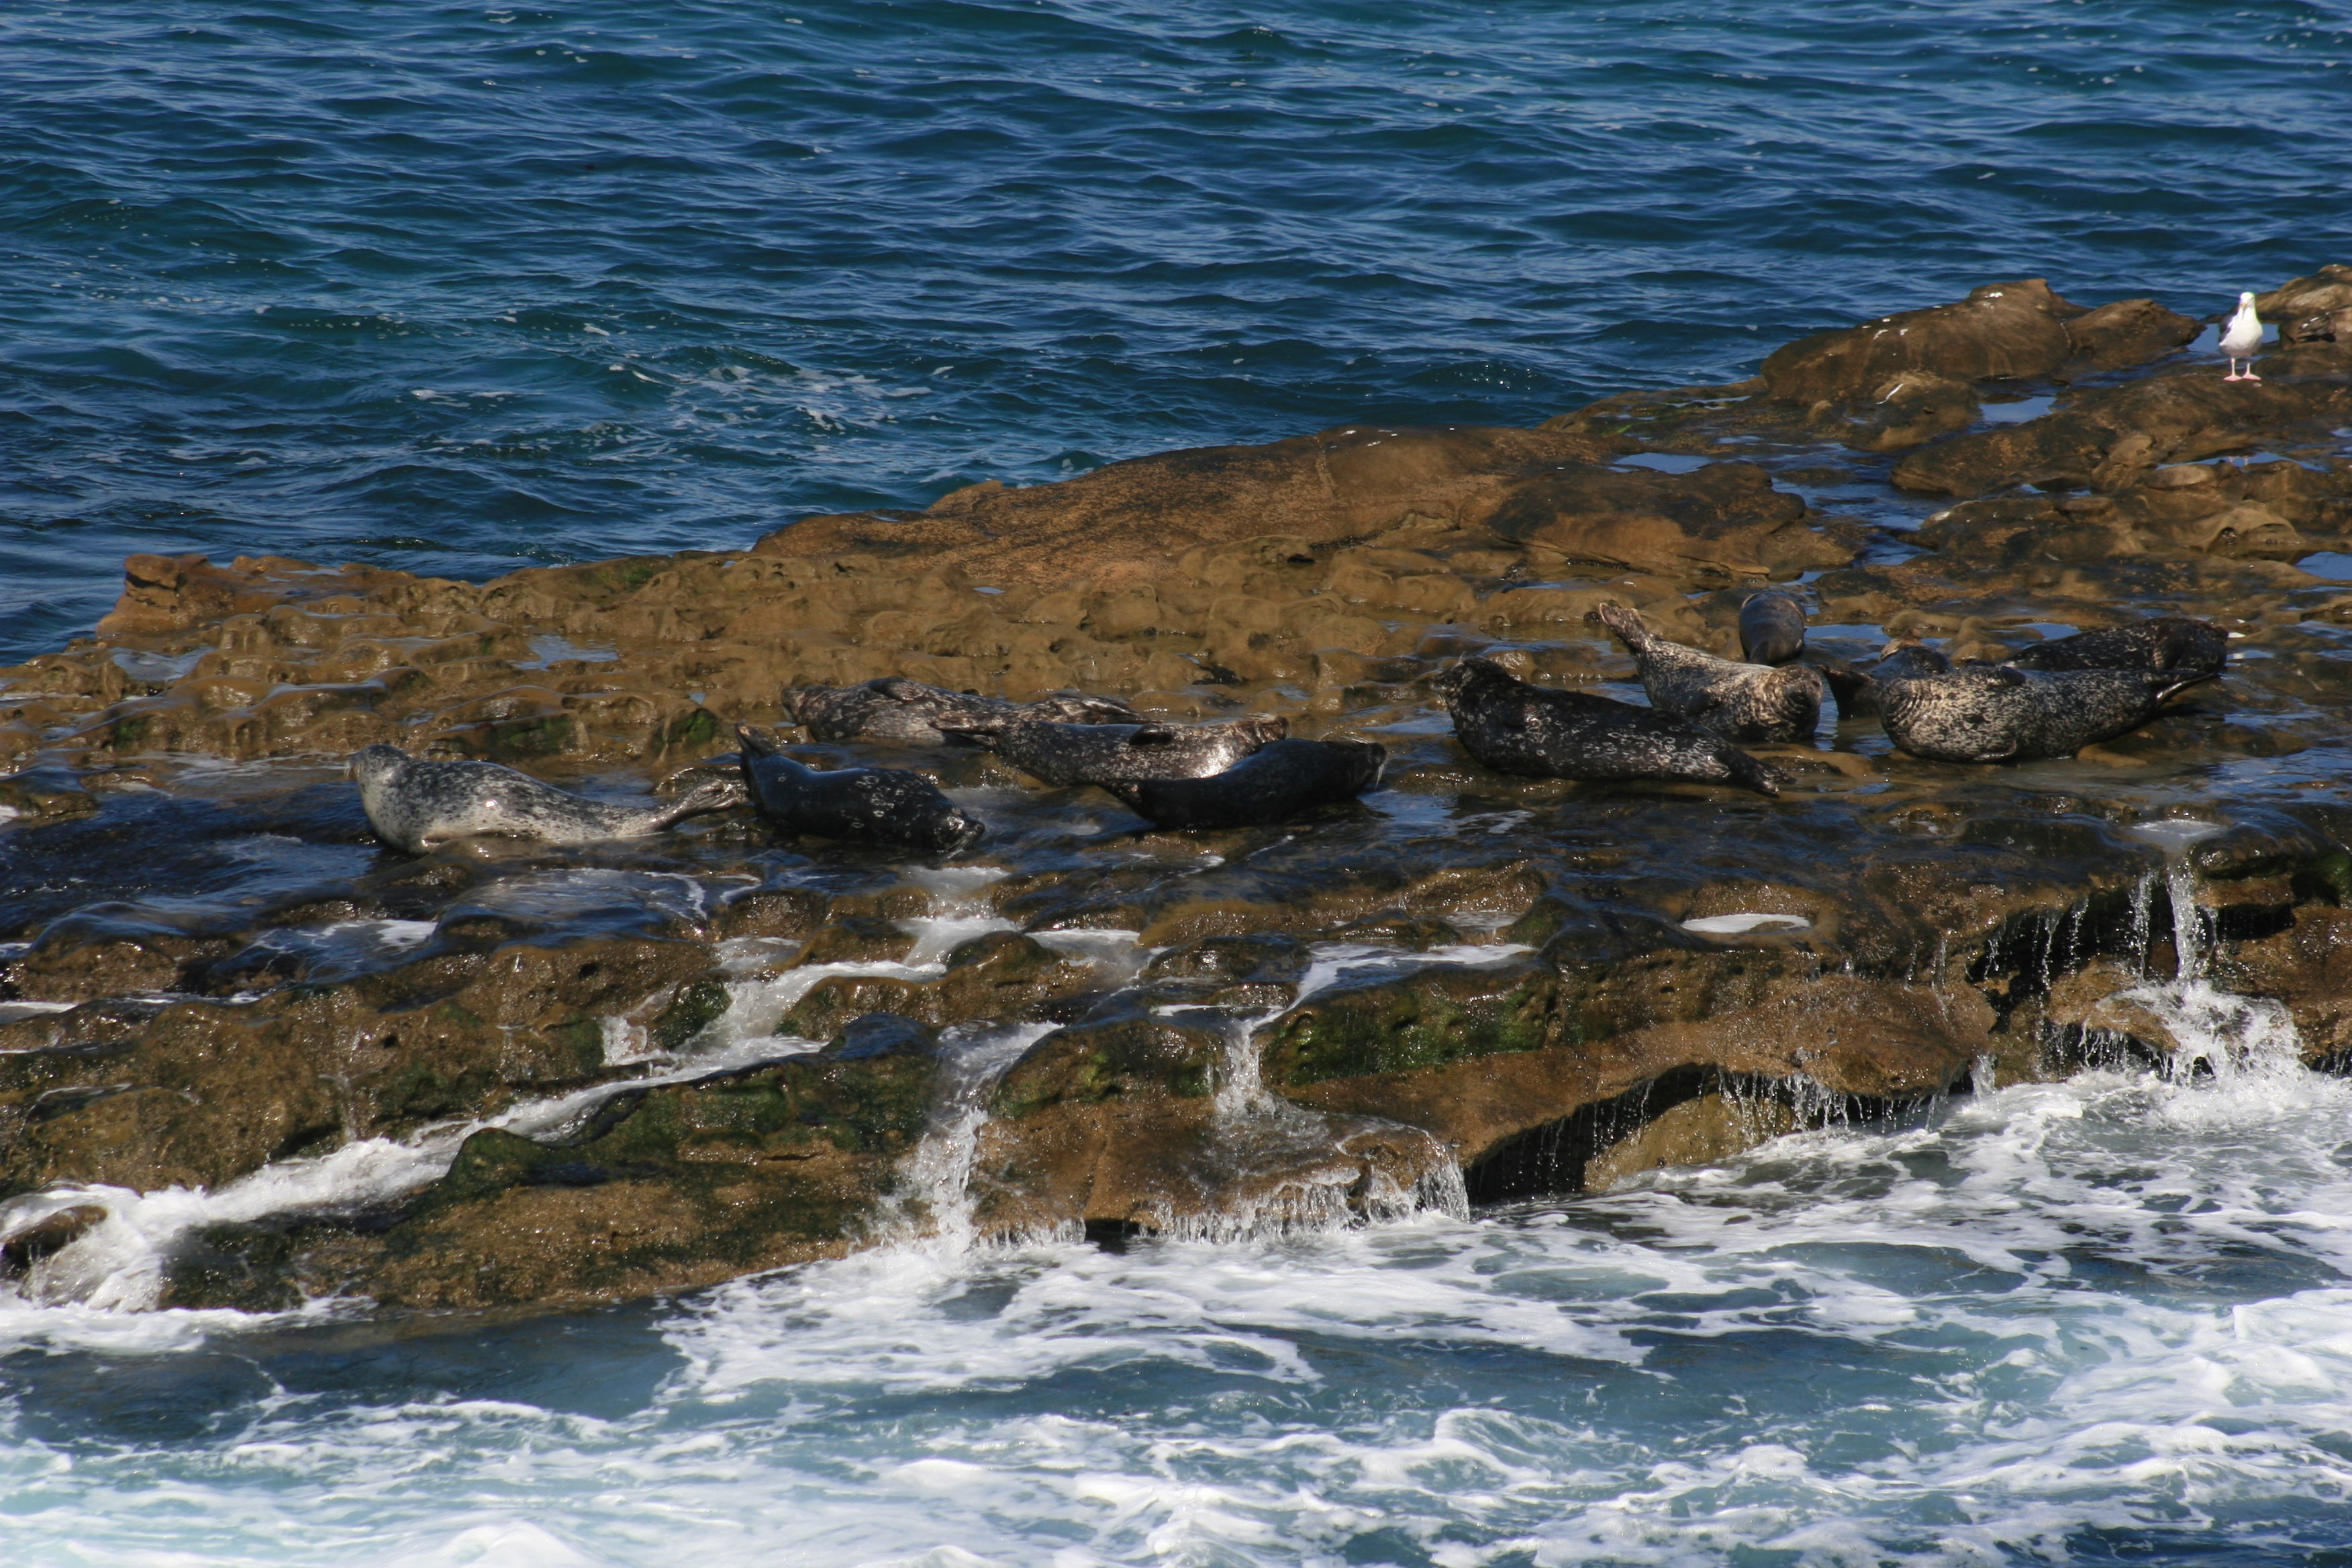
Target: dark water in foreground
[[460, 288]]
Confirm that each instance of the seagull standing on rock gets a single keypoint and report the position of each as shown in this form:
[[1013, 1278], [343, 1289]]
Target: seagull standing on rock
[[2242, 336]]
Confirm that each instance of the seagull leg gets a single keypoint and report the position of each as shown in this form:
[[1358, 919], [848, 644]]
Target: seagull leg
[[2233, 372], [2250, 374]]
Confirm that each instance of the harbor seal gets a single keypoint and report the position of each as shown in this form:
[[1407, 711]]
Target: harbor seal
[[1066, 755], [1772, 628], [1540, 732], [2169, 642], [1274, 783], [1999, 713], [1741, 702], [414, 805], [863, 806], [1857, 690], [895, 708]]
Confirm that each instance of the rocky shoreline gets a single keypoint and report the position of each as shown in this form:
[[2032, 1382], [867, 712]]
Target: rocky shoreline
[[501, 1075]]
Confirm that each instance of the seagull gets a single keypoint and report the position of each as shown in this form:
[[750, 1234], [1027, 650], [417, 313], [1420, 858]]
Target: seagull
[[2242, 336]]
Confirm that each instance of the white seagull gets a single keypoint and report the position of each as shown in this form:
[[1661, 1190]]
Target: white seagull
[[2241, 338]]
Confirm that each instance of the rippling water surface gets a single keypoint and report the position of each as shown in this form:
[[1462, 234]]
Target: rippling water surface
[[457, 289], [462, 288]]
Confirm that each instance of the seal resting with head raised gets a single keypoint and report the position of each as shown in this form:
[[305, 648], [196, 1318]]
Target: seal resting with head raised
[[1274, 783], [414, 805], [893, 707], [1772, 628], [2181, 644], [862, 805], [1998, 713], [1742, 702], [1540, 732], [1066, 755]]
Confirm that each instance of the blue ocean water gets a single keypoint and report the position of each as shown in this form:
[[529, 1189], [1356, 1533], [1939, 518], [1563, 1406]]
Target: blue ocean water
[[458, 288]]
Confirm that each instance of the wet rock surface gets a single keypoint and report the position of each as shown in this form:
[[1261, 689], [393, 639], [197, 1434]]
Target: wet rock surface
[[502, 1073]]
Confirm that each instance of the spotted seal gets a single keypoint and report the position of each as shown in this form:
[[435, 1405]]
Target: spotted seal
[[1741, 702], [1857, 690], [1772, 628], [1275, 783], [863, 806], [1066, 755], [1999, 713], [895, 708], [2177, 643], [1542, 731], [414, 805]]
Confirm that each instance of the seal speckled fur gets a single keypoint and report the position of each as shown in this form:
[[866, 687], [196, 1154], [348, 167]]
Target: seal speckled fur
[[1275, 784], [1741, 702], [1067, 754], [1772, 628], [1997, 713], [895, 708], [2169, 642], [1543, 732], [414, 805], [1857, 690], [862, 805]]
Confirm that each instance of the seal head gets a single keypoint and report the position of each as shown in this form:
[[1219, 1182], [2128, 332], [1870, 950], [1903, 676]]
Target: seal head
[[859, 806], [1772, 628], [1542, 731]]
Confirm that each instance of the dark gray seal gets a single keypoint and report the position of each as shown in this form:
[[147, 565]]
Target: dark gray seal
[[1857, 690], [1275, 784], [1540, 732], [1772, 628], [1066, 755], [2176, 643], [1741, 702], [864, 806], [1998, 713], [895, 708], [414, 805]]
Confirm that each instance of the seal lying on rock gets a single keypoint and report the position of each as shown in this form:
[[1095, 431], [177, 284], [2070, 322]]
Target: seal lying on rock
[[1737, 702], [895, 708], [1772, 628], [1066, 755], [414, 805], [1998, 713], [1857, 690], [1543, 732], [865, 805], [2169, 642], [1275, 784]]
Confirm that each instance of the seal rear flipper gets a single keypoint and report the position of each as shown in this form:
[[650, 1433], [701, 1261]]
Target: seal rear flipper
[[1627, 625], [714, 795], [1748, 774]]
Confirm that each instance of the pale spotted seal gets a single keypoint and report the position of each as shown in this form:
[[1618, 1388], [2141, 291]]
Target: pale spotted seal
[[863, 806], [1067, 754], [1741, 702], [1543, 732], [1998, 713], [1772, 628], [414, 805], [1275, 784], [895, 708], [2177, 643]]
